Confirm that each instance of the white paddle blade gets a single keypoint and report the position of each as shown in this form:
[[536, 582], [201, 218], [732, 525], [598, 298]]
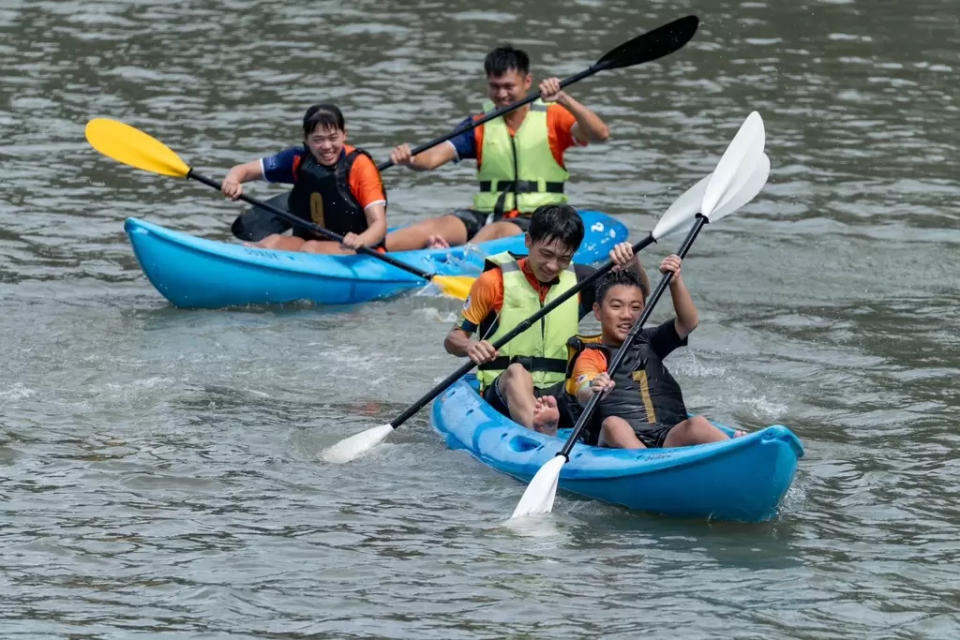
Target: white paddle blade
[[538, 498], [681, 213], [741, 156], [356, 445], [747, 191]]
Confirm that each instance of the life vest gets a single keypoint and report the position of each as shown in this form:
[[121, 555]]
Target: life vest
[[322, 195], [645, 392], [518, 172], [541, 349]]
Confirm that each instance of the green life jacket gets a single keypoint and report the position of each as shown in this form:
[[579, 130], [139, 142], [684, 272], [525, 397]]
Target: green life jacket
[[518, 172], [542, 348]]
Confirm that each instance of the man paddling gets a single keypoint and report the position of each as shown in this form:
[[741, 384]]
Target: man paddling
[[520, 157], [642, 406], [525, 378]]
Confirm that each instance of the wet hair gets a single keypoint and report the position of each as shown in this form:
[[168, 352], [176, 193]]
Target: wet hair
[[625, 277], [504, 58], [557, 221], [322, 115]]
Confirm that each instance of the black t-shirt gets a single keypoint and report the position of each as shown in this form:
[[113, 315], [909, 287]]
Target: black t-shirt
[[645, 395]]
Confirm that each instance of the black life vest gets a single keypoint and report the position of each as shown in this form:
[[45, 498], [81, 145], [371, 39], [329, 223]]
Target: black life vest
[[645, 392], [322, 195]]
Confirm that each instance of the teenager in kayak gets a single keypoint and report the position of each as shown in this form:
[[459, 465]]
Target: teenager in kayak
[[336, 186], [525, 378], [642, 405], [519, 156]]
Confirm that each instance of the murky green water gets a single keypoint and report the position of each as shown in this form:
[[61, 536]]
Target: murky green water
[[160, 472]]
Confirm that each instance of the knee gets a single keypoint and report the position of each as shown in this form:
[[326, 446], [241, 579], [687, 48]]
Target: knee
[[617, 433], [516, 372], [269, 242], [699, 430], [699, 423], [610, 423], [504, 229]]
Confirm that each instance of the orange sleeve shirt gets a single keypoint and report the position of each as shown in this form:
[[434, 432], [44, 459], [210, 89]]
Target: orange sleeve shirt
[[590, 363], [365, 182], [486, 297]]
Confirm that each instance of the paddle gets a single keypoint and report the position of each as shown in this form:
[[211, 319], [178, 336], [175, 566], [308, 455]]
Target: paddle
[[737, 179], [351, 447], [651, 45], [133, 147]]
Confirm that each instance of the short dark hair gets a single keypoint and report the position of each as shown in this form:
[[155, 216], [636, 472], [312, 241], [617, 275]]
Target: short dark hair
[[504, 58], [557, 221], [625, 277], [325, 115]]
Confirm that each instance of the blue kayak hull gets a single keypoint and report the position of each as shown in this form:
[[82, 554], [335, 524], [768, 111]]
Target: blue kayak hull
[[742, 479], [195, 272]]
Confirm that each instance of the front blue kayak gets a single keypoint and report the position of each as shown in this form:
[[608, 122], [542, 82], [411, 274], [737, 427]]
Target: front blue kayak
[[195, 272], [741, 479]]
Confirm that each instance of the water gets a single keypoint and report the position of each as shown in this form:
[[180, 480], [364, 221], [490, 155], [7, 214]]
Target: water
[[161, 473]]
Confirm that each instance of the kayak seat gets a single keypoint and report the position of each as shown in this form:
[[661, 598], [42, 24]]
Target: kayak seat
[[523, 443]]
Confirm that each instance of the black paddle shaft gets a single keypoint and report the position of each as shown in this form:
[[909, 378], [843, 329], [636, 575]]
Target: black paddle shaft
[[634, 331], [513, 333], [297, 220], [651, 45]]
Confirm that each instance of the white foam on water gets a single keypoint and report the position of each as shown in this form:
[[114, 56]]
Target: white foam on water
[[17, 391]]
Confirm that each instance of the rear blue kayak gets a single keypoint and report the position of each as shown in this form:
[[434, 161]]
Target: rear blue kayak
[[198, 273], [741, 479]]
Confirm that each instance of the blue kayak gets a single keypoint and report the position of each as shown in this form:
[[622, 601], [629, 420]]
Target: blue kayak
[[198, 273], [740, 479]]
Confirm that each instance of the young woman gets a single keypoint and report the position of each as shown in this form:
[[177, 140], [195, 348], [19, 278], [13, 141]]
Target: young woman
[[336, 186]]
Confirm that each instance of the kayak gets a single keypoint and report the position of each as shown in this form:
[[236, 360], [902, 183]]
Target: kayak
[[742, 479], [196, 272]]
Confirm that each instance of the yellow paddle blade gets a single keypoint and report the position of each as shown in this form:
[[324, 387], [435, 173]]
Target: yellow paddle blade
[[131, 146], [454, 286]]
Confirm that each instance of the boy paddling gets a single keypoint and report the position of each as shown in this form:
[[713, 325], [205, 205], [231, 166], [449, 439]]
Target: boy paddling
[[642, 405]]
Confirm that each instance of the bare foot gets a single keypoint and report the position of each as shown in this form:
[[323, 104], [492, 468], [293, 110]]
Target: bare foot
[[739, 434], [437, 242], [546, 416]]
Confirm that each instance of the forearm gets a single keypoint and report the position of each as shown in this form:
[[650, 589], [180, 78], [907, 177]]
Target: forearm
[[374, 234], [456, 342], [590, 128], [686, 311], [433, 158], [245, 172], [584, 394], [376, 225], [637, 267]]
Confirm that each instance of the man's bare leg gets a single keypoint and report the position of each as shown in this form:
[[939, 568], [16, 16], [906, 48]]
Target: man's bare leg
[[695, 430], [280, 242], [539, 414], [325, 246], [494, 230], [417, 235], [617, 433]]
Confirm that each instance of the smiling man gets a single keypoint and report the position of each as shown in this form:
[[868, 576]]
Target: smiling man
[[519, 156], [525, 378]]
